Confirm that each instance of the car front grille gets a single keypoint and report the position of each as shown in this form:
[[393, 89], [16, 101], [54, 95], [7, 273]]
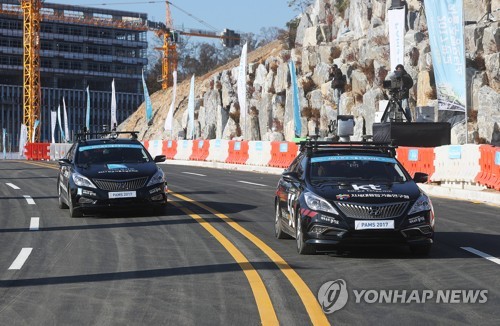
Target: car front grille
[[365, 211], [120, 185]]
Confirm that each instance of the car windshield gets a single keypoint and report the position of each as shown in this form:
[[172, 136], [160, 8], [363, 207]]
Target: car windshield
[[111, 153], [355, 167]]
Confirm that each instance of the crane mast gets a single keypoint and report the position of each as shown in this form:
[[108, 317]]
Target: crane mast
[[31, 66]]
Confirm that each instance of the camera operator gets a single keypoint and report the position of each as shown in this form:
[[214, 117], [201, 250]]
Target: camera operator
[[406, 83]]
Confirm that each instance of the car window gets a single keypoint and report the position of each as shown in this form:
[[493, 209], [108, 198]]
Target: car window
[[356, 167], [112, 153]]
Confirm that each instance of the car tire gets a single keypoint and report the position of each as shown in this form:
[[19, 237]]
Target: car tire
[[61, 204], [302, 247], [421, 250], [278, 228], [72, 211]]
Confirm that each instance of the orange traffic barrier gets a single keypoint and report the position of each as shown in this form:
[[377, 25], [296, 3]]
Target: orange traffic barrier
[[200, 150], [282, 154], [169, 148], [37, 151], [417, 159], [238, 152], [489, 162]]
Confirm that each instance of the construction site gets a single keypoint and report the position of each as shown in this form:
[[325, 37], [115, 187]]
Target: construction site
[[50, 52]]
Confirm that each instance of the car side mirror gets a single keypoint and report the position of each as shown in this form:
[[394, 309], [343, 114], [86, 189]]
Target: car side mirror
[[420, 177], [160, 158], [290, 176], [64, 161]]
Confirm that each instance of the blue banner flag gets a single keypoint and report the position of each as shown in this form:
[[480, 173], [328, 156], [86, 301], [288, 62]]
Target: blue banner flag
[[87, 117], [296, 101], [446, 36], [149, 107]]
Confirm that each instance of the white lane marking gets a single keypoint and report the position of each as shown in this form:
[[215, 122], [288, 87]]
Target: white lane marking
[[251, 183], [200, 175], [12, 186], [482, 254], [34, 224], [29, 200], [21, 258]]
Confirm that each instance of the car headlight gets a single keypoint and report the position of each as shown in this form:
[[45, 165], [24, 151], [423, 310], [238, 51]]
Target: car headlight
[[158, 177], [423, 203], [316, 203], [82, 181]]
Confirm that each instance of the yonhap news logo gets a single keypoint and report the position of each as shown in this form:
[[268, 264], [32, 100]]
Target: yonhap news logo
[[333, 296]]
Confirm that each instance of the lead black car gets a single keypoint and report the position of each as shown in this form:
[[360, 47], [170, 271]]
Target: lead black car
[[109, 172], [352, 194]]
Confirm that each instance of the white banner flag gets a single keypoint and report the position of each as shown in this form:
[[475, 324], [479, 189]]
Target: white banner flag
[[53, 121], [62, 139], [170, 115], [66, 127], [113, 105], [242, 89], [396, 36], [23, 138], [190, 127]]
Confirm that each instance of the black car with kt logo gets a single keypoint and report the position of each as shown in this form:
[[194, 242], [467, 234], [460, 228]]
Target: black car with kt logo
[[352, 194], [104, 170]]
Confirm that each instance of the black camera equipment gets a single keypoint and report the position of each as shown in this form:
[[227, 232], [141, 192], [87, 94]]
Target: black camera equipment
[[394, 111]]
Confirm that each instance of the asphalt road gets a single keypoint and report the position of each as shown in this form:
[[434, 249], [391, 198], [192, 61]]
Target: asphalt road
[[212, 258]]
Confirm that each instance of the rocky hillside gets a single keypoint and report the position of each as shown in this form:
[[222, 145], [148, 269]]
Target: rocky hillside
[[352, 34]]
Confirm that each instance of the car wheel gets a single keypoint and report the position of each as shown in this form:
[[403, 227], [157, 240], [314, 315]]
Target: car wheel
[[302, 247], [421, 250], [72, 211], [62, 204], [278, 228]]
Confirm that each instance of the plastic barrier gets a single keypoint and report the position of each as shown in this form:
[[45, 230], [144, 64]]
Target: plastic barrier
[[219, 149], [37, 151], [489, 162], [184, 150], [58, 151], [155, 147], [282, 154], [416, 159], [200, 150], [238, 152], [456, 163], [259, 153], [169, 149]]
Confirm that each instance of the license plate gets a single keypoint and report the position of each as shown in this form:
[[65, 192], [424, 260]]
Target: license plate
[[374, 225], [122, 194]]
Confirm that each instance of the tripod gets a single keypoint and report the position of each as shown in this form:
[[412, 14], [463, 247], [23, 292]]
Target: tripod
[[394, 111]]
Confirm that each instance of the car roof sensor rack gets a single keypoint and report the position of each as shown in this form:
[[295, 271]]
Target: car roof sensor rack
[[87, 135], [313, 145]]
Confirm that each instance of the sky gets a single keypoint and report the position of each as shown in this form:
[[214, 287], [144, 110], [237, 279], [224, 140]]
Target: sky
[[247, 16]]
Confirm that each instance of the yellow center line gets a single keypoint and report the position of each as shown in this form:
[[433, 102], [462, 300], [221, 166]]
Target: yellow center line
[[264, 304], [310, 302]]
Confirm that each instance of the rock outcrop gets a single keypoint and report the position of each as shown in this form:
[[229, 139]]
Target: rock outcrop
[[354, 35]]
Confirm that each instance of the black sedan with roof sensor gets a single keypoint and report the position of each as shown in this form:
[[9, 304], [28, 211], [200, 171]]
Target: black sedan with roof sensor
[[107, 171], [352, 194]]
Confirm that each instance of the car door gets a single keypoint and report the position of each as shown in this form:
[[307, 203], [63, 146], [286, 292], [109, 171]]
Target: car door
[[65, 171], [293, 188]]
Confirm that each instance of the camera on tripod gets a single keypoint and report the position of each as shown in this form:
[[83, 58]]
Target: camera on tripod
[[395, 82]]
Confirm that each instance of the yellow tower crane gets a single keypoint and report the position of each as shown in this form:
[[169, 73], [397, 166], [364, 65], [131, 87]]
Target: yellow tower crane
[[31, 63]]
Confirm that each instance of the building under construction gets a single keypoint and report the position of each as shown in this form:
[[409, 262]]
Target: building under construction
[[79, 47]]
